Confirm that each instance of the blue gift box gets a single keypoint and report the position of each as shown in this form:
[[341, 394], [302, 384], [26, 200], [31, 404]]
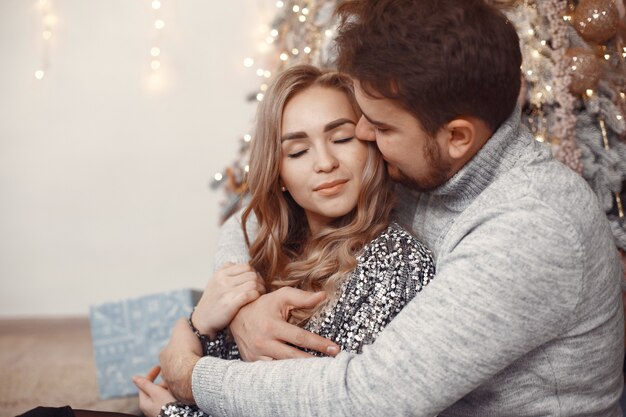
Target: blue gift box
[[129, 335]]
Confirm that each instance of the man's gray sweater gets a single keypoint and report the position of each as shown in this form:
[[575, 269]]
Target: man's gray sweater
[[524, 317]]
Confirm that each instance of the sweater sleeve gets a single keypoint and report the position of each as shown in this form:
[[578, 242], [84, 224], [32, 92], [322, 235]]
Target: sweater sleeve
[[231, 244], [505, 287]]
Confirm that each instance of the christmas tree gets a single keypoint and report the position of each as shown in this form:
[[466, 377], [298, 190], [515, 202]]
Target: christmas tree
[[573, 95]]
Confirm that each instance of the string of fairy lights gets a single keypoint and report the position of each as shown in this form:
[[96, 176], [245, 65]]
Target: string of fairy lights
[[159, 24], [48, 20]]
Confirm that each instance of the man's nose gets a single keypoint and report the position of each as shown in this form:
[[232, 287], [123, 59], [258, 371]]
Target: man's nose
[[365, 130]]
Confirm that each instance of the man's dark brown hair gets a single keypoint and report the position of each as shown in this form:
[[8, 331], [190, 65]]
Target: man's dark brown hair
[[439, 58]]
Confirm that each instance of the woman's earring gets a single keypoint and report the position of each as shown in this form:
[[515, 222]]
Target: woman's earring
[[283, 188]]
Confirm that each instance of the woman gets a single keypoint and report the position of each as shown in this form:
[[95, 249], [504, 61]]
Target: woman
[[321, 201]]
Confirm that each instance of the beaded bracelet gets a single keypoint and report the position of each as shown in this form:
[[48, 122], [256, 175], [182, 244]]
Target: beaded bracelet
[[203, 338]]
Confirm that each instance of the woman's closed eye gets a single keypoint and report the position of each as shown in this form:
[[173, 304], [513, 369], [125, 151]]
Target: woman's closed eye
[[297, 154], [343, 140]]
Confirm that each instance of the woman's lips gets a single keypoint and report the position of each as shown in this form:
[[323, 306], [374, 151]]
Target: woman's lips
[[330, 188]]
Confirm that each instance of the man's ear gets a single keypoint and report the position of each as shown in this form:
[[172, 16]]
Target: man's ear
[[462, 138]]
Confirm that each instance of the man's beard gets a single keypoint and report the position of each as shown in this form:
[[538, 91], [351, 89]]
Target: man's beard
[[438, 170]]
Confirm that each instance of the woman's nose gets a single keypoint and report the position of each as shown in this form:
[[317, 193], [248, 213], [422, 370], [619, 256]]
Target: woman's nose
[[326, 161]]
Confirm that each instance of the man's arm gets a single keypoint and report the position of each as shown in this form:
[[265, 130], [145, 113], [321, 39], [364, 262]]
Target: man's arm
[[489, 304]]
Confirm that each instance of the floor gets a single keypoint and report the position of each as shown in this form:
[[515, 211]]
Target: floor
[[50, 362]]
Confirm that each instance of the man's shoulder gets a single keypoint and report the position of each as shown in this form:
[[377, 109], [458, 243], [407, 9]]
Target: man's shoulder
[[543, 183]]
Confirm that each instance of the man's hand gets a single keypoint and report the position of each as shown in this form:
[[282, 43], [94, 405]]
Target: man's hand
[[262, 332], [178, 359], [152, 396]]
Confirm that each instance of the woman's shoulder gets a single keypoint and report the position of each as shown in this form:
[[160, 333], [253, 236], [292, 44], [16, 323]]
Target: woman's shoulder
[[396, 243], [396, 253]]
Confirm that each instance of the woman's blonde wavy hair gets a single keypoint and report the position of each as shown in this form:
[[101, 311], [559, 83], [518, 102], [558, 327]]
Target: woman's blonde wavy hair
[[284, 252]]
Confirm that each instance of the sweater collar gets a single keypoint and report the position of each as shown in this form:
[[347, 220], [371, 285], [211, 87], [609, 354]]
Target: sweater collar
[[497, 156]]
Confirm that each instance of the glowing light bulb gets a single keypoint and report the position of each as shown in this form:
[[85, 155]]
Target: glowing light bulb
[[296, 8], [279, 4], [246, 168], [218, 176], [531, 32], [540, 138], [247, 137], [619, 117], [260, 72], [267, 74], [548, 88], [156, 4], [284, 57], [259, 97], [49, 20], [159, 24], [328, 33], [263, 87], [295, 51], [274, 32], [248, 62], [154, 51], [307, 50], [607, 56], [39, 74], [305, 11], [589, 92], [302, 18]]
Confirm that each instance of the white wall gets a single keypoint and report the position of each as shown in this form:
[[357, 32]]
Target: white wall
[[103, 178]]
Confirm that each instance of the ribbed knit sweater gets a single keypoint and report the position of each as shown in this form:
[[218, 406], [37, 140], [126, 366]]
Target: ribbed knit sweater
[[524, 317]]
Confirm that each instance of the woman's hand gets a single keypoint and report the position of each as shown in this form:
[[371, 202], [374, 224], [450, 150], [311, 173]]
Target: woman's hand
[[152, 396], [232, 287]]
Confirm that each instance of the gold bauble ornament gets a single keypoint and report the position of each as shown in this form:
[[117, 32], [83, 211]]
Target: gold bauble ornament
[[584, 69], [596, 20]]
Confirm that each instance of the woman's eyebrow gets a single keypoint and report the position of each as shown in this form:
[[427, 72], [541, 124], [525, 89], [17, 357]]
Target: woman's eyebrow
[[327, 128], [294, 135], [336, 123]]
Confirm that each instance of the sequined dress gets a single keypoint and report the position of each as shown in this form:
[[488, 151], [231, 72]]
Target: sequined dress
[[390, 271]]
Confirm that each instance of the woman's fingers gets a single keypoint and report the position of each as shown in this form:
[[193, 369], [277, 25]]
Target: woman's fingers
[[236, 269], [238, 279], [153, 373]]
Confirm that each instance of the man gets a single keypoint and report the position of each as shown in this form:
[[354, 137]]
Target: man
[[524, 316]]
